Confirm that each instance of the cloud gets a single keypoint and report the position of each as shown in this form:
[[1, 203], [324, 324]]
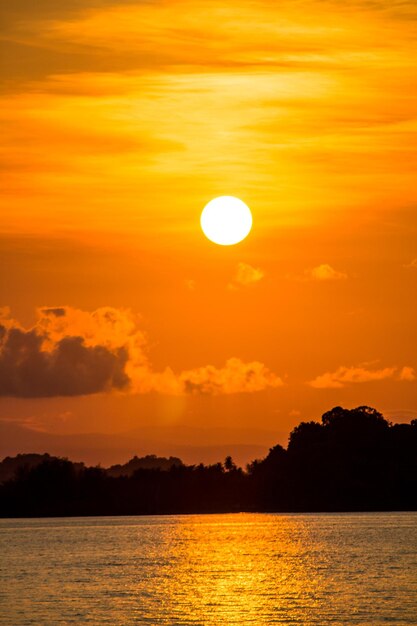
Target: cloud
[[235, 377], [412, 264], [246, 275], [57, 312], [69, 368], [345, 376], [408, 374], [22, 12], [275, 81], [325, 272], [70, 352]]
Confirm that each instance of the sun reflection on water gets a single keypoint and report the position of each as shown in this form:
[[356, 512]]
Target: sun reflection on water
[[254, 569], [229, 573]]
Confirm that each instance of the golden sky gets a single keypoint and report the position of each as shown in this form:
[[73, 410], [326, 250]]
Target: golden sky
[[124, 329]]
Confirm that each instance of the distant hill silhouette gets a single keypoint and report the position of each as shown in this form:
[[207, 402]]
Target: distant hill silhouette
[[11, 466], [353, 460], [150, 461]]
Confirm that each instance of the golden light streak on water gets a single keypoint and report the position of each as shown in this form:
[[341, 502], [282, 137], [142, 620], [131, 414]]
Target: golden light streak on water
[[214, 570]]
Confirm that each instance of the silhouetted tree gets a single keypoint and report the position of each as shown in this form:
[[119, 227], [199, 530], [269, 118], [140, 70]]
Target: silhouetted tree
[[229, 464]]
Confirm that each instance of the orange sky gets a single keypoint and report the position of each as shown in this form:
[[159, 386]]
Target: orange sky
[[125, 330]]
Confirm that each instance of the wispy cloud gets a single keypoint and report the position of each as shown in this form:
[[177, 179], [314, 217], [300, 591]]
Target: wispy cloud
[[319, 273], [246, 275], [407, 373], [345, 376], [235, 377], [174, 87], [325, 272]]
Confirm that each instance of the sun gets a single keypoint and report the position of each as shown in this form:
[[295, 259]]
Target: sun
[[226, 220]]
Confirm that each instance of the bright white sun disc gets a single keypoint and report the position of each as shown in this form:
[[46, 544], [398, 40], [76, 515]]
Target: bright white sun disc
[[226, 220]]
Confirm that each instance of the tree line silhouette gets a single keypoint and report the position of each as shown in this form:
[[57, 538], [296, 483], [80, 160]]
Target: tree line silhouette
[[354, 460]]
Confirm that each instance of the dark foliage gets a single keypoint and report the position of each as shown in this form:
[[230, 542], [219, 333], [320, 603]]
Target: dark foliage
[[353, 460], [11, 464]]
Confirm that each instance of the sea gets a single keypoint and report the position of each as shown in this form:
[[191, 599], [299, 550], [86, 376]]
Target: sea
[[245, 568]]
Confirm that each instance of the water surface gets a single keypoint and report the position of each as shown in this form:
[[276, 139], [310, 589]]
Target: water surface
[[257, 569]]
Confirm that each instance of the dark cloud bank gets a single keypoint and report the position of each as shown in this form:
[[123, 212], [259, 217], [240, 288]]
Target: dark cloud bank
[[70, 368]]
